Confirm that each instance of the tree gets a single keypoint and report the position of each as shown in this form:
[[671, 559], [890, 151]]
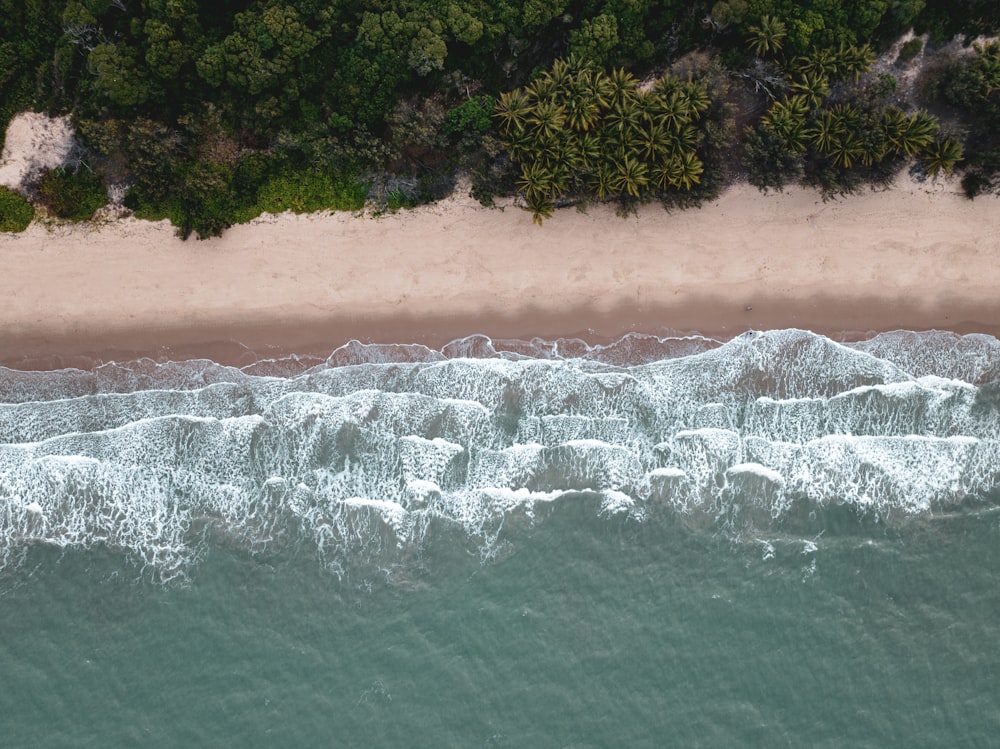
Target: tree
[[674, 109], [941, 156], [825, 131], [116, 75], [512, 110], [631, 176], [812, 86], [769, 162], [845, 149], [624, 87], [767, 36], [548, 118], [596, 39], [535, 182], [687, 169], [918, 133], [787, 120]]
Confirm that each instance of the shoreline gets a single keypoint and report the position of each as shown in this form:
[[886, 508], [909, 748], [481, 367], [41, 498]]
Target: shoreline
[[916, 257]]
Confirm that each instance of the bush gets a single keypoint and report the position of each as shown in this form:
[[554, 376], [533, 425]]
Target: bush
[[310, 191], [909, 50], [472, 114], [15, 212], [72, 195]]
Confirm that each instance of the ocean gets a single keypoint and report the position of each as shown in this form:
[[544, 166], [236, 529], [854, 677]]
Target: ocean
[[778, 540]]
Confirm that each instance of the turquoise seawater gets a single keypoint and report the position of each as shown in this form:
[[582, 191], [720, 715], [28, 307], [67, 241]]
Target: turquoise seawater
[[777, 541]]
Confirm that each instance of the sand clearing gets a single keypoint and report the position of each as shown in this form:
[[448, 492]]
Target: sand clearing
[[916, 257], [33, 143]]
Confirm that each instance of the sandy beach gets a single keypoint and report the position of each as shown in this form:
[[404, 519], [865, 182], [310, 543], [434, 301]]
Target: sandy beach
[[916, 257]]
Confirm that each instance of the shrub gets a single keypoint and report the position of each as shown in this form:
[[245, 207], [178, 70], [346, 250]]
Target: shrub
[[72, 195], [472, 114], [310, 191], [910, 50], [15, 212]]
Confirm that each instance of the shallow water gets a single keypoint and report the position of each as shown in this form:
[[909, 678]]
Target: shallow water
[[778, 540]]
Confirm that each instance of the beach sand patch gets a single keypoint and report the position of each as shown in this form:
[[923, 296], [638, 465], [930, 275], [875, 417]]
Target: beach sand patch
[[34, 143]]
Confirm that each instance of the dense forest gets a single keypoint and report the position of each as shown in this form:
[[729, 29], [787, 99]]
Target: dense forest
[[210, 113]]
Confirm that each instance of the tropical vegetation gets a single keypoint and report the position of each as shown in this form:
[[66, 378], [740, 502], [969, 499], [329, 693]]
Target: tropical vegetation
[[15, 212], [206, 111], [576, 130]]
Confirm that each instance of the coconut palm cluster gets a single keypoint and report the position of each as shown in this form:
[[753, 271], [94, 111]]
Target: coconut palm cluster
[[847, 134], [577, 131], [844, 133]]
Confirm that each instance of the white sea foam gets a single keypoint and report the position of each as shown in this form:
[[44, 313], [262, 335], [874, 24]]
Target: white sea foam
[[370, 452]]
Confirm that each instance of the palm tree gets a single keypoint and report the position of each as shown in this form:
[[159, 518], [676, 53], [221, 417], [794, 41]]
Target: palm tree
[[647, 104], [561, 74], [919, 134], [825, 130], [542, 89], [674, 110], [540, 209], [562, 174], [623, 119], [872, 142], [631, 176], [547, 150], [582, 110], [845, 148], [942, 155], [797, 105], [548, 118], [686, 138], [813, 87], [520, 143], [535, 182], [624, 86], [666, 85], [590, 150], [602, 181], [820, 61], [853, 61], [685, 170], [893, 125], [598, 85], [697, 98], [767, 36], [512, 109], [788, 123], [653, 142]]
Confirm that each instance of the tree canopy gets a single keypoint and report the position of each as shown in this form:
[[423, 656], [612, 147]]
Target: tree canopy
[[184, 100]]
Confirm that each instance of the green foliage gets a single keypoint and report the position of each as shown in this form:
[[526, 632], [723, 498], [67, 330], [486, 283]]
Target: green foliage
[[596, 40], [116, 74], [407, 87], [945, 19], [942, 155], [909, 50], [768, 36], [576, 130], [72, 195], [972, 84], [310, 191], [861, 139], [471, 115], [15, 212]]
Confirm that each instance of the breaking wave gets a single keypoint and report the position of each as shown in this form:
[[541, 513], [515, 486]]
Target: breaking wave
[[381, 449]]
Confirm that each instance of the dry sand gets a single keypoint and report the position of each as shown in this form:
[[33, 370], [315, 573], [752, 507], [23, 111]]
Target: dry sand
[[916, 257], [33, 143]]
